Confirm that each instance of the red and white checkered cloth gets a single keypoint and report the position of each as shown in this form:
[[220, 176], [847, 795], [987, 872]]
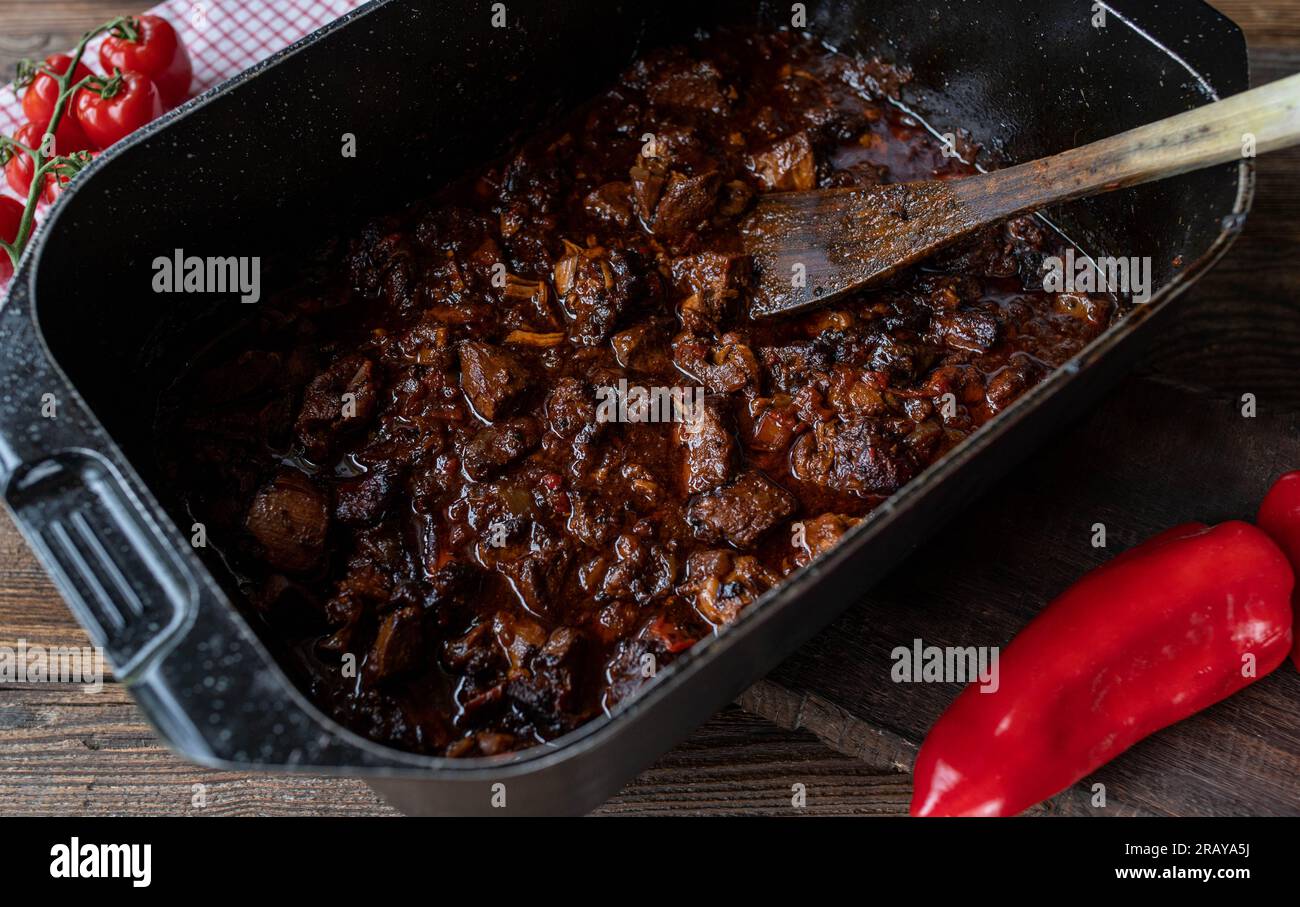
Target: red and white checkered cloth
[[224, 37]]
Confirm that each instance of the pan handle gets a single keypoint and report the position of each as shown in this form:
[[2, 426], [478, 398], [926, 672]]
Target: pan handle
[[117, 573]]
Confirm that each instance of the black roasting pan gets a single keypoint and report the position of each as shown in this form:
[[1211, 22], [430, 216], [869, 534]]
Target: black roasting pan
[[254, 166]]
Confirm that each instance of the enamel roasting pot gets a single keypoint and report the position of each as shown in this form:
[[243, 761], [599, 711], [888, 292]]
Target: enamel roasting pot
[[429, 90]]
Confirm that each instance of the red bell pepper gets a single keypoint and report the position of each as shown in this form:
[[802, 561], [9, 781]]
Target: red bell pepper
[[1135, 646], [1279, 516]]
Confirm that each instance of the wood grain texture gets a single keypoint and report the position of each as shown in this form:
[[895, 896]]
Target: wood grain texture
[[35, 28], [69, 752], [63, 751], [1267, 23]]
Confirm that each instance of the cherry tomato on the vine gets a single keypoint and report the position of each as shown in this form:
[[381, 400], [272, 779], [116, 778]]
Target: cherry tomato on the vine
[[43, 94], [18, 172], [54, 182], [133, 102], [159, 54], [11, 215]]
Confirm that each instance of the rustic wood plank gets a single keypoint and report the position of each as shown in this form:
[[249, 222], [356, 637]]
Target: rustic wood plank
[[69, 752], [739, 764], [1267, 23], [30, 606], [68, 17], [35, 28]]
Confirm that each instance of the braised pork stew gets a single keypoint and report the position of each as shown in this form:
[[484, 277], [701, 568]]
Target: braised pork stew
[[404, 461]]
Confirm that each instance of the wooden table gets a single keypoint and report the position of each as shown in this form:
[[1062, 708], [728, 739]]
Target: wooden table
[[63, 751]]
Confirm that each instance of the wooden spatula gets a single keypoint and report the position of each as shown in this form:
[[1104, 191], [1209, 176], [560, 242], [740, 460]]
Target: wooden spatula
[[810, 248]]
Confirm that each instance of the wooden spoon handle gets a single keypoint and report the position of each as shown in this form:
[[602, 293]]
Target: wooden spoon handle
[[1253, 122]]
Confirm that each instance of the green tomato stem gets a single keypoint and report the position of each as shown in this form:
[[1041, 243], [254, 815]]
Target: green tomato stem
[[66, 90]]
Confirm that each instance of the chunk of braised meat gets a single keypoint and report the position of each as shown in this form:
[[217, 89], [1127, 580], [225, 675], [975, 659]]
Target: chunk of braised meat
[[451, 585], [611, 202], [343, 614], [520, 637], [741, 512], [425, 399], [708, 441], [1012, 380], [853, 393], [647, 181], [694, 84], [338, 402], [473, 653], [381, 263], [786, 165], [596, 285], [571, 415], [493, 380], [733, 198], [485, 743], [592, 520], [635, 568], [713, 280], [552, 695], [289, 518], [972, 331], [1094, 310], [641, 646], [719, 583], [426, 342], [570, 405], [514, 540], [772, 423], [792, 365], [364, 499], [722, 366], [685, 203], [525, 305], [496, 446], [853, 458], [492, 652], [820, 535], [389, 719], [1004, 250], [643, 347], [397, 645]]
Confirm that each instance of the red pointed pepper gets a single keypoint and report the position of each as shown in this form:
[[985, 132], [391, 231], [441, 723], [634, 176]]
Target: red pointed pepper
[[1142, 642], [1279, 516]]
